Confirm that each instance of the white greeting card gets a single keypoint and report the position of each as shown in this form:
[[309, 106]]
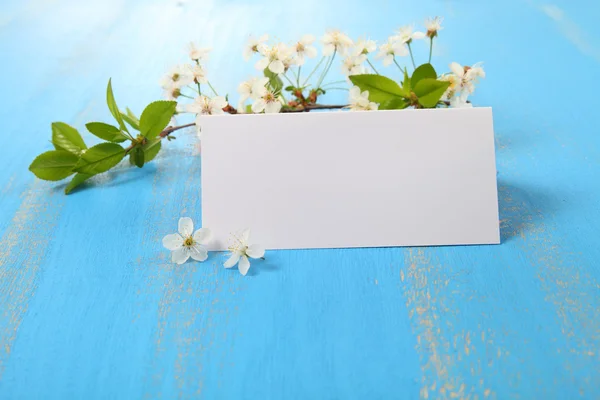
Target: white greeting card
[[351, 179]]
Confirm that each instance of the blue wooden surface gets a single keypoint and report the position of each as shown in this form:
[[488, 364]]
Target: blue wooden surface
[[92, 308]]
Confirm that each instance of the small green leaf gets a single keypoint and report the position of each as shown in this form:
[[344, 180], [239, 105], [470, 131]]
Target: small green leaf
[[138, 157], [248, 109], [381, 89], [397, 103], [289, 88], [406, 84], [112, 106], [77, 180], [274, 80], [100, 158], [134, 123], [156, 117], [430, 91], [105, 131], [151, 149], [425, 71], [65, 137], [54, 165]]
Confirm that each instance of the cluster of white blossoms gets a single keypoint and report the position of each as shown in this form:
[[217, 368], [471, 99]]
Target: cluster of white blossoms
[[281, 86], [187, 243], [462, 83]]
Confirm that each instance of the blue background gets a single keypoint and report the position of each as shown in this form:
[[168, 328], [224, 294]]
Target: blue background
[[91, 307]]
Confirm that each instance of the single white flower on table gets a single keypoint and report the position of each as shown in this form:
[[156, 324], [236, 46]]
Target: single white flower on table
[[304, 48], [203, 105], [353, 65], [433, 25], [177, 77], [187, 243], [199, 74], [240, 250], [364, 46], [273, 58], [335, 41], [468, 76], [264, 99], [198, 54], [406, 34], [359, 101], [253, 46], [391, 49]]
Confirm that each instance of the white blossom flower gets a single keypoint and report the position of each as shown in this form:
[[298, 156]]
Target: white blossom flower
[[360, 101], [198, 54], [177, 77], [406, 34], [199, 74], [264, 99], [245, 88], [335, 41], [353, 65], [187, 243], [364, 46], [253, 46], [241, 250], [433, 25], [203, 105], [454, 81], [273, 58], [171, 91], [468, 76], [391, 49], [304, 48]]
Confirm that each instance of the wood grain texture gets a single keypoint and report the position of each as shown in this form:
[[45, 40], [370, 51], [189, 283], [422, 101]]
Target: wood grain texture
[[91, 307]]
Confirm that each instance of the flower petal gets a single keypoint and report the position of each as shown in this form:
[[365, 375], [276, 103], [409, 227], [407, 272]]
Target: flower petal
[[244, 265], [203, 235], [277, 67], [231, 261], [418, 35], [244, 236], [180, 255], [457, 69], [198, 252], [186, 227], [262, 64], [173, 241], [258, 106], [273, 107], [255, 251], [310, 52]]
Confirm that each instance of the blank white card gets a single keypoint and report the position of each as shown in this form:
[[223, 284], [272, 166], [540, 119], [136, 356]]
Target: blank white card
[[351, 179]]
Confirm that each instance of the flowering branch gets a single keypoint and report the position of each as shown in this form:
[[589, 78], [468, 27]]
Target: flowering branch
[[368, 90]]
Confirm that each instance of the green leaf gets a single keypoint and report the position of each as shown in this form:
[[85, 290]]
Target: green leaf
[[156, 117], [406, 84], [100, 158], [289, 88], [274, 80], [112, 106], [381, 89], [430, 91], [151, 149], [397, 103], [249, 109], [54, 165], [425, 71], [135, 124], [65, 137], [105, 131], [77, 180], [138, 157]]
